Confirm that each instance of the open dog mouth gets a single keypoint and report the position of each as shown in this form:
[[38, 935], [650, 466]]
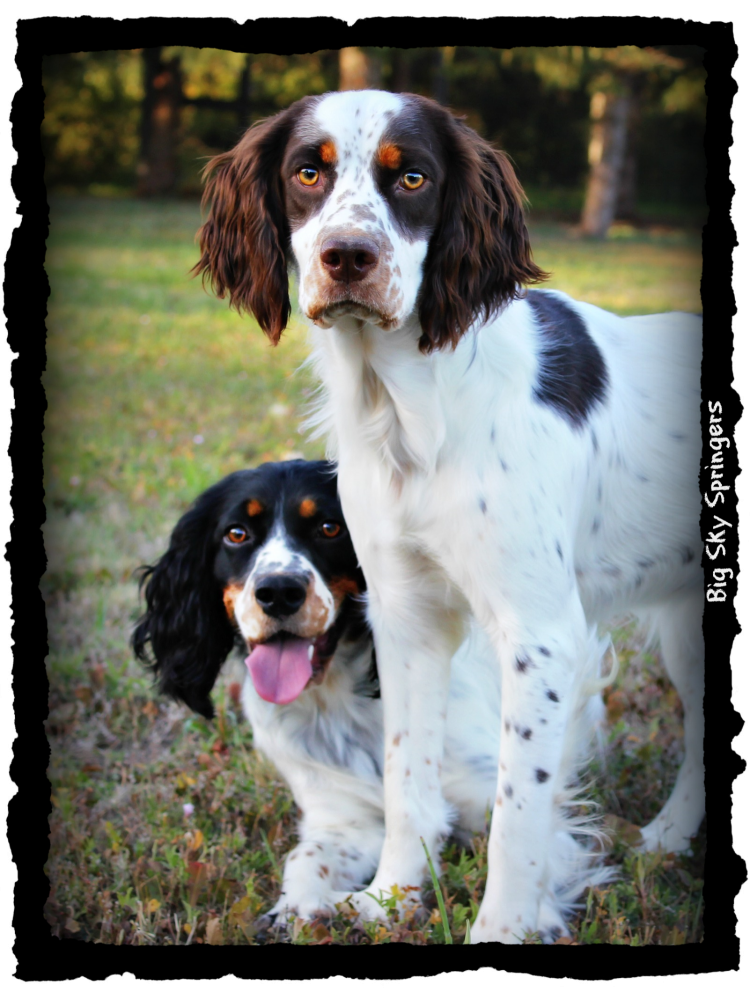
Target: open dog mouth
[[286, 664]]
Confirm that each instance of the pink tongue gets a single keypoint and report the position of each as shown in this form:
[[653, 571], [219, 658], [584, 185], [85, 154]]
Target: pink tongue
[[280, 669]]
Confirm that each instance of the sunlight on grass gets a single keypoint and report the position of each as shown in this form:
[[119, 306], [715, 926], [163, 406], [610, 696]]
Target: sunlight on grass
[[641, 274]]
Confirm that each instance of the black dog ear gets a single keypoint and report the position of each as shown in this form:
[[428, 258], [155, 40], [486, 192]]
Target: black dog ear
[[479, 257], [185, 621], [245, 238]]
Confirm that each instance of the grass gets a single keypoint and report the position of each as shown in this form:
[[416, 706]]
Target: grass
[[166, 829]]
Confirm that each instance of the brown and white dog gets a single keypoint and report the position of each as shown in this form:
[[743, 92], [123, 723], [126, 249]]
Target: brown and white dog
[[507, 456]]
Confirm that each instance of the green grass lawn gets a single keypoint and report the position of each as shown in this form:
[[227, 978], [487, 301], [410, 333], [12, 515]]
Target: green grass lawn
[[155, 390]]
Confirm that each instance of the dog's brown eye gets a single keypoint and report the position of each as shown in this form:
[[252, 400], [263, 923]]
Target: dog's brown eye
[[330, 529], [412, 180], [308, 176], [236, 535]]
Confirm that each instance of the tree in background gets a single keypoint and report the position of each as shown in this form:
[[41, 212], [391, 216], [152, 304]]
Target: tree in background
[[148, 119], [600, 128], [358, 70], [620, 81], [160, 122], [90, 132]]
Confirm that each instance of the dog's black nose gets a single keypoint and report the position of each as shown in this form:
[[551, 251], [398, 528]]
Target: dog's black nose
[[281, 594], [348, 260]]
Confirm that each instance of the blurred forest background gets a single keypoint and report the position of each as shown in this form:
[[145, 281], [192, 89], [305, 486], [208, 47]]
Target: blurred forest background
[[595, 134], [167, 829]]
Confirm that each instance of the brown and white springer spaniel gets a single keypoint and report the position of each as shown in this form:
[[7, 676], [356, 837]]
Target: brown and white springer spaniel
[[511, 455]]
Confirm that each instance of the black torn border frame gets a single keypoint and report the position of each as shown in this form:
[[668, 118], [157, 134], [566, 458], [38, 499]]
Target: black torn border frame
[[42, 957]]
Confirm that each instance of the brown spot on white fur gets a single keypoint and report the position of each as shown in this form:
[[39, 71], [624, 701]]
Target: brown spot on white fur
[[315, 614]]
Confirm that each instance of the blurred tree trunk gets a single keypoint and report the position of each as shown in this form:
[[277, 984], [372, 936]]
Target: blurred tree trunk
[[244, 96], [401, 81], [610, 113], [440, 83], [627, 205], [160, 119], [357, 70]]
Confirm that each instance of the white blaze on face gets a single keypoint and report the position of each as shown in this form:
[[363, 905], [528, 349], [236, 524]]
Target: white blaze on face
[[355, 122], [277, 556]]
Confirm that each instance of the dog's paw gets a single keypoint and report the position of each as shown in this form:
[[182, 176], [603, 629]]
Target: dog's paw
[[551, 925], [381, 906], [273, 927], [283, 916], [483, 931], [664, 835], [367, 908]]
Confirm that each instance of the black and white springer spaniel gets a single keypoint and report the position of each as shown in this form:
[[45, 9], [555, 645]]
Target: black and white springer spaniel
[[263, 560], [512, 455]]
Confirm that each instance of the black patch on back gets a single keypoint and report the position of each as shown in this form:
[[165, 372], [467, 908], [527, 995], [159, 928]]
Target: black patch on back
[[572, 375]]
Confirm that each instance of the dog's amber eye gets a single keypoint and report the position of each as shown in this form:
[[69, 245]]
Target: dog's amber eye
[[412, 180], [330, 529], [308, 176], [236, 535]]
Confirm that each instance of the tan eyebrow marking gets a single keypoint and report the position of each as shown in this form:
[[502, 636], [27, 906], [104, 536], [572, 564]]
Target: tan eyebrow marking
[[254, 507], [389, 156], [308, 507], [328, 152]]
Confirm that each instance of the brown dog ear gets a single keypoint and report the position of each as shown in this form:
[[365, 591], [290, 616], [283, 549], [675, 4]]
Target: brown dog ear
[[479, 256], [245, 238]]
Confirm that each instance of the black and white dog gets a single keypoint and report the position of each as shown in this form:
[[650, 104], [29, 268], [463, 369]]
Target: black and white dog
[[264, 557], [506, 456]]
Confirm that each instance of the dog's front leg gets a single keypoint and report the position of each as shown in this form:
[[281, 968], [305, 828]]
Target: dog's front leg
[[546, 671], [416, 633], [340, 839]]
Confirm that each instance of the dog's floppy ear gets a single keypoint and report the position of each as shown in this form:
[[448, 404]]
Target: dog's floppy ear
[[479, 255], [245, 237], [185, 621]]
